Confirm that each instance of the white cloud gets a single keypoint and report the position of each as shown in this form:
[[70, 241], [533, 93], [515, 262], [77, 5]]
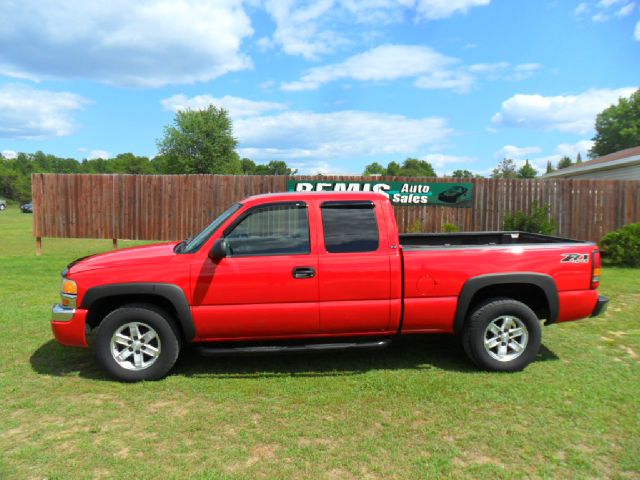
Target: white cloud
[[437, 9], [343, 134], [581, 9], [637, 32], [143, 43], [431, 69], [95, 154], [608, 3], [314, 28], [523, 71], [309, 141], [314, 167], [504, 70], [600, 17], [441, 160], [9, 154], [26, 112], [458, 81], [237, 107], [517, 153], [626, 10], [572, 149], [565, 113], [489, 67], [383, 63], [299, 30]]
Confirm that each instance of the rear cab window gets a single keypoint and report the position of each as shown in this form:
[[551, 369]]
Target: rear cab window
[[350, 227]]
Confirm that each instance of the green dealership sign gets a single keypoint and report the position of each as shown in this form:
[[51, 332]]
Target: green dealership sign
[[400, 193]]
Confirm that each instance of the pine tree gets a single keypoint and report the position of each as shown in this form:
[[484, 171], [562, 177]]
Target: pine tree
[[564, 162], [549, 167], [527, 171]]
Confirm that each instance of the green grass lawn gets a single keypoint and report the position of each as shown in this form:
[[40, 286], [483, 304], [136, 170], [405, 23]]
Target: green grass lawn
[[417, 410]]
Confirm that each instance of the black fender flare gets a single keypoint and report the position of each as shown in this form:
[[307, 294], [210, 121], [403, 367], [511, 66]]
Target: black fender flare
[[170, 292], [545, 282]]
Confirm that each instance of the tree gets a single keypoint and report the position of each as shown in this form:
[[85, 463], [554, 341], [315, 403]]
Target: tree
[[274, 167], [374, 169], [549, 167], [527, 171], [412, 167], [564, 162], [130, 163], [506, 169], [463, 174], [617, 127], [248, 166], [393, 169], [201, 141], [578, 159]]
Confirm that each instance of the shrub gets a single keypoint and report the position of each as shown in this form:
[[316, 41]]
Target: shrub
[[415, 227], [450, 228], [538, 221], [622, 246]]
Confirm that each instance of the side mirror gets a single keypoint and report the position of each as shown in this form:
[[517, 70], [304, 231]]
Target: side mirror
[[219, 250]]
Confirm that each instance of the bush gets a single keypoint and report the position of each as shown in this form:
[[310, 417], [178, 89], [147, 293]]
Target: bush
[[450, 228], [538, 221], [622, 246], [415, 227]]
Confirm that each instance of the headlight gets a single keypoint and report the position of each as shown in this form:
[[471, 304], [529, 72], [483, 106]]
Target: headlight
[[69, 293], [69, 287]]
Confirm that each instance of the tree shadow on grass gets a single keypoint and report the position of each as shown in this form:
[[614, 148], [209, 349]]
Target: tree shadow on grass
[[429, 352]]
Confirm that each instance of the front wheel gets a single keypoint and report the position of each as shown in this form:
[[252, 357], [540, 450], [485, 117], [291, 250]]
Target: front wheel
[[502, 335], [137, 342]]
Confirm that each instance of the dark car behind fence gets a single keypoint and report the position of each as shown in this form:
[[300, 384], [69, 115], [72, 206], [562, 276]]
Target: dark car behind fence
[[172, 207]]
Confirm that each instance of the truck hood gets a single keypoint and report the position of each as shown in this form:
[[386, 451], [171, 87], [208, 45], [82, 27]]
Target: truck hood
[[157, 253]]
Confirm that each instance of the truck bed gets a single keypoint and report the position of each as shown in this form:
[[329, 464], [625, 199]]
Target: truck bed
[[426, 240]]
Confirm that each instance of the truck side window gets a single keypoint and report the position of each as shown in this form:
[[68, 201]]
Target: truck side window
[[276, 230], [349, 227]]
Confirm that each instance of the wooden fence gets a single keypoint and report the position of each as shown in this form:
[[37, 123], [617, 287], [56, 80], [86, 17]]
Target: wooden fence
[[170, 207]]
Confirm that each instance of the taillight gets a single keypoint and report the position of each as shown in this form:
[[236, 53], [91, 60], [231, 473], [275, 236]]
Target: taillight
[[596, 268]]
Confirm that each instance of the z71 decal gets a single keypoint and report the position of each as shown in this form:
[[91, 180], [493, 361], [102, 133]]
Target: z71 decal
[[575, 258]]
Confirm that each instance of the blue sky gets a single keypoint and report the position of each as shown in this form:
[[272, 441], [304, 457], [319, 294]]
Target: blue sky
[[328, 86]]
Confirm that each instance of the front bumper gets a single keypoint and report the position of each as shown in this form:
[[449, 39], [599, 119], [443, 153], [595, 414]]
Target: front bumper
[[69, 325], [601, 306]]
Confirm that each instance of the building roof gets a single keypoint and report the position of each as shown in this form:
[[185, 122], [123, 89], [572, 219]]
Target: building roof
[[629, 156]]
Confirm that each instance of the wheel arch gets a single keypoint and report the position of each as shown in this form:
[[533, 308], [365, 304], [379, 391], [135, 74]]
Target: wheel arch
[[537, 290], [103, 299]]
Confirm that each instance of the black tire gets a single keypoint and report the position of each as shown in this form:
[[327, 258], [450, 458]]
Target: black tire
[[151, 319], [476, 330]]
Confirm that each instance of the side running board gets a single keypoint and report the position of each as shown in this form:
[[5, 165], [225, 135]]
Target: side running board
[[210, 351]]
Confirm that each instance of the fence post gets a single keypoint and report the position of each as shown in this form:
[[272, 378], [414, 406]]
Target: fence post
[[38, 246], [115, 243]]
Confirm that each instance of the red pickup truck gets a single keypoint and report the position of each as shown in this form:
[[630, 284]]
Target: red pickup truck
[[322, 271]]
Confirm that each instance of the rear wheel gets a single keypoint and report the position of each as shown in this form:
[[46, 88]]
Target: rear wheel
[[502, 335], [137, 342]]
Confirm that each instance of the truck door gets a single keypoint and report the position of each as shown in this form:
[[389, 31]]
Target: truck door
[[354, 269], [267, 286]]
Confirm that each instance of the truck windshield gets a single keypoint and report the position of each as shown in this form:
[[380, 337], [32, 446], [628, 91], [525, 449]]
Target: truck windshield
[[196, 242]]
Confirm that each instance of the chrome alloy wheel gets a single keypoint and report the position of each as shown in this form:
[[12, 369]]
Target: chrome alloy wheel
[[135, 346], [506, 338]]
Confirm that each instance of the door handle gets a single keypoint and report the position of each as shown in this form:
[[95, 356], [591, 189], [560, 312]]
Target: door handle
[[304, 272]]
